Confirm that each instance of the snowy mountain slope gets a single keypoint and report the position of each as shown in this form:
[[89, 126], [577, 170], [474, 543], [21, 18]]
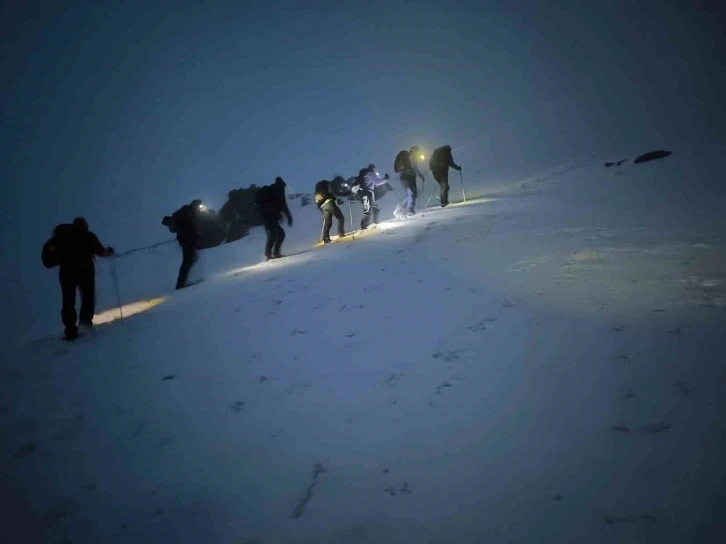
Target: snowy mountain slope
[[545, 364]]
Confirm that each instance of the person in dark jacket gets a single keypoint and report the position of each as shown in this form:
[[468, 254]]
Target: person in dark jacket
[[73, 248], [441, 160], [326, 202], [272, 205], [185, 225], [408, 179]]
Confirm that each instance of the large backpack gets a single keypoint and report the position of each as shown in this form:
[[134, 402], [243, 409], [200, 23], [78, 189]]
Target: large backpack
[[402, 162], [49, 255]]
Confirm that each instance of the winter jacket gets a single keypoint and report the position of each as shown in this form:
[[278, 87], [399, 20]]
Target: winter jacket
[[272, 202], [373, 179], [71, 247], [442, 159]]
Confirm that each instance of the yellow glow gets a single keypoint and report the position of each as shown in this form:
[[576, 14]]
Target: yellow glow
[[128, 310], [291, 260], [422, 156]]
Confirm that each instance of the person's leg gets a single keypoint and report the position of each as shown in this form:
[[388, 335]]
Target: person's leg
[[327, 222], [270, 233], [412, 193], [87, 287], [340, 218], [189, 255], [366, 197], [279, 239], [443, 180], [68, 282]]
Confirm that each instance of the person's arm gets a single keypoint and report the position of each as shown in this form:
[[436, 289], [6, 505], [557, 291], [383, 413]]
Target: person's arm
[[419, 172], [453, 164], [98, 248], [286, 210]]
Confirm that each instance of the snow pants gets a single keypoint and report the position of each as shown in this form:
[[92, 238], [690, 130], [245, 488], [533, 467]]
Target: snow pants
[[442, 178], [409, 184], [189, 257], [330, 209], [275, 235], [83, 279], [370, 208]]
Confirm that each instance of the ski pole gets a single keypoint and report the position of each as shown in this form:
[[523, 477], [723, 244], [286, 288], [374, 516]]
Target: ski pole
[[461, 176], [350, 214], [115, 283], [321, 232]]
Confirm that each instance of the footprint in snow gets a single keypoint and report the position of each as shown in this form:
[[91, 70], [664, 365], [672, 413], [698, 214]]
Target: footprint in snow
[[610, 520], [620, 357], [449, 355], [237, 406], [654, 428], [446, 385], [684, 387], [24, 451]]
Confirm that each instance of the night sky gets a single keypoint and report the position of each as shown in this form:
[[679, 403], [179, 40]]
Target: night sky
[[123, 111]]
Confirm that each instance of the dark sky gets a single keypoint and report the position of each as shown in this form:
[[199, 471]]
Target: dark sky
[[123, 111]]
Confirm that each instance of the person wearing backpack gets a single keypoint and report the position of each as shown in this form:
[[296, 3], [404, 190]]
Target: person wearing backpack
[[441, 160], [326, 202], [364, 188], [272, 205], [406, 164], [73, 248], [183, 223]]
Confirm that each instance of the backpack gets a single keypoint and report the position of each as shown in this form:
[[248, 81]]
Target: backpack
[[402, 162], [49, 255], [263, 197]]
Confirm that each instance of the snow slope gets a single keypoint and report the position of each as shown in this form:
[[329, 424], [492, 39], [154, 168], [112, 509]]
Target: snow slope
[[543, 363]]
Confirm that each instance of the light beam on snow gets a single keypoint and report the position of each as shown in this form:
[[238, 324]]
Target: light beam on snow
[[275, 264], [390, 225], [472, 201], [128, 310]]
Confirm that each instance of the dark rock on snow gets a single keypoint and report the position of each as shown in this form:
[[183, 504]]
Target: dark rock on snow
[[652, 155]]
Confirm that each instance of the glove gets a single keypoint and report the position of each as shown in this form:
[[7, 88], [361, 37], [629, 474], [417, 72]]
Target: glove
[[386, 177], [459, 168], [111, 251], [289, 222]]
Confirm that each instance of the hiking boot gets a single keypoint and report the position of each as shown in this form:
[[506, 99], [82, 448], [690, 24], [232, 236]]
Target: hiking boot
[[327, 240], [268, 258], [71, 333]]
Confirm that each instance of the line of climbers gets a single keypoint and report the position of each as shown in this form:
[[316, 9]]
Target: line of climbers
[[73, 247]]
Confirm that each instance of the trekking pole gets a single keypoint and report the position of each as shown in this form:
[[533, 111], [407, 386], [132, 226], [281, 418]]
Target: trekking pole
[[350, 214], [430, 197], [423, 195], [461, 176], [321, 231], [114, 277]]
